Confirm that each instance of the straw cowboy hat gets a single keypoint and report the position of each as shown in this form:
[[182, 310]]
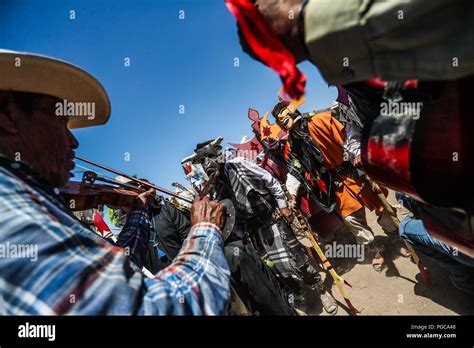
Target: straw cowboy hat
[[27, 72]]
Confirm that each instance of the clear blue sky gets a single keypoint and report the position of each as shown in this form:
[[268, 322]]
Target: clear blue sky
[[174, 62]]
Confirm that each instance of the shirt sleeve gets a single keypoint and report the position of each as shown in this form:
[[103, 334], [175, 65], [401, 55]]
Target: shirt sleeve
[[352, 140], [74, 271], [197, 282], [292, 184], [134, 234], [270, 182], [355, 40]]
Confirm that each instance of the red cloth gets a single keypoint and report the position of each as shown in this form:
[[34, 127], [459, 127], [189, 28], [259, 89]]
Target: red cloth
[[277, 168], [266, 45]]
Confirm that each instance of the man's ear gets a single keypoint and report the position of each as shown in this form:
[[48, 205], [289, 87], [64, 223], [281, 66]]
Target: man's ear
[[8, 115]]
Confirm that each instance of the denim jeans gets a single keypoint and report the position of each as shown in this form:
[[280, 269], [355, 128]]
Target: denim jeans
[[460, 266]]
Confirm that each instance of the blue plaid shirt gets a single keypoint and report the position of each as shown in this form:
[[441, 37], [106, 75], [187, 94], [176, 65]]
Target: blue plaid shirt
[[75, 271]]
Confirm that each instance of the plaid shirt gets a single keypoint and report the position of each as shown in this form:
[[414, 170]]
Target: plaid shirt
[[257, 192], [76, 271]]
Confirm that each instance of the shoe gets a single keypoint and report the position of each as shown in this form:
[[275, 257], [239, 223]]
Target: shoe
[[329, 303], [378, 262]]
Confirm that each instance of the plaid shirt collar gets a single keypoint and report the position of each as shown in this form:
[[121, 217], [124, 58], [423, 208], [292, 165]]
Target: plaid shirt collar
[[25, 173]]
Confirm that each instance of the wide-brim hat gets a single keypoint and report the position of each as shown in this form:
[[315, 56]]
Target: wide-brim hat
[[33, 73]]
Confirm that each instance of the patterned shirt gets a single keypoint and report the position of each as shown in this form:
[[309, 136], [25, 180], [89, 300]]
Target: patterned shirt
[[50, 263]]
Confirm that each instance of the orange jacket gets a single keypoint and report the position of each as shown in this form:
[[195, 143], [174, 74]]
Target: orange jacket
[[328, 133]]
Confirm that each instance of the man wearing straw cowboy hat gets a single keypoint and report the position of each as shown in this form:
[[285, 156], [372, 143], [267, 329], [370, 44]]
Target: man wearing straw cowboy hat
[[49, 262]]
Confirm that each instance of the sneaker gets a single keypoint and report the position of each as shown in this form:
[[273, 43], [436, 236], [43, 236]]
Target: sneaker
[[329, 303]]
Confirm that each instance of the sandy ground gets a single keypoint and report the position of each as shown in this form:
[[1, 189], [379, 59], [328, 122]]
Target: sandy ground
[[398, 289]]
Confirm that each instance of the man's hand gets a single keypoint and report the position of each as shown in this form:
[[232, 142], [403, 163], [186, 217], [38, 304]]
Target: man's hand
[[287, 214], [357, 162], [204, 210], [145, 198]]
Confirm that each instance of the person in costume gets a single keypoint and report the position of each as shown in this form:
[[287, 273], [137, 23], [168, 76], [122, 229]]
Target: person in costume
[[73, 270], [263, 217], [168, 232], [269, 142], [318, 138], [345, 111], [362, 45]]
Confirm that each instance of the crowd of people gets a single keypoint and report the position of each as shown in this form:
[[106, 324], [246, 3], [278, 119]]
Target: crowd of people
[[249, 255]]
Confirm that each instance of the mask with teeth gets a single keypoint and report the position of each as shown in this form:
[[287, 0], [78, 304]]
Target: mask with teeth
[[285, 118], [286, 112]]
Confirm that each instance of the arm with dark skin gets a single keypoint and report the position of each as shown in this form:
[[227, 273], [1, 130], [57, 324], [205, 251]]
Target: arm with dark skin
[[204, 210], [282, 17]]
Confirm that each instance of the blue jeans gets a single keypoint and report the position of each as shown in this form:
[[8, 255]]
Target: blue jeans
[[460, 266]]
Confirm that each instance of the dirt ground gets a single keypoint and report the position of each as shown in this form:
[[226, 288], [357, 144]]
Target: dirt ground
[[398, 289]]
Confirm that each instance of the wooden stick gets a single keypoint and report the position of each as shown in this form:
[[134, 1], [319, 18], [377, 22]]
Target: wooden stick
[[338, 280]]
